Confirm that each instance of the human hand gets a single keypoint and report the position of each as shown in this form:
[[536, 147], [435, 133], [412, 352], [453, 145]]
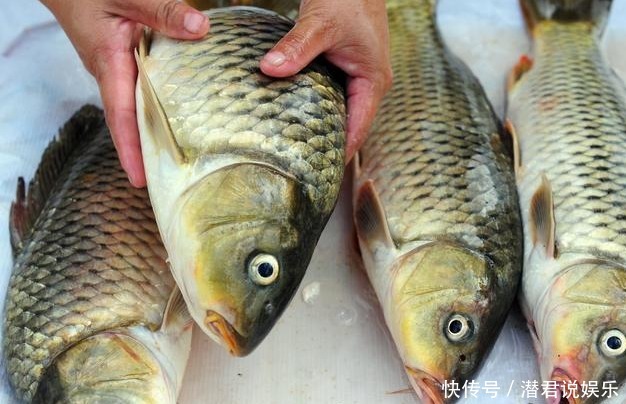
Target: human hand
[[105, 33], [353, 35]]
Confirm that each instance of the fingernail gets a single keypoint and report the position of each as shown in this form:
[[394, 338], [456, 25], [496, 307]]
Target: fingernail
[[275, 58], [194, 22], [130, 177]]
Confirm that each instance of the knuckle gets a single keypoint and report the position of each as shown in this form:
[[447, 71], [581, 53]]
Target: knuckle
[[315, 27], [321, 24], [305, 5], [294, 43], [329, 28], [166, 13]]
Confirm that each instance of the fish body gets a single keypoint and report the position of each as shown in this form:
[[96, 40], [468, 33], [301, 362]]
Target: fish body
[[87, 317], [435, 208], [243, 170], [568, 111], [287, 8]]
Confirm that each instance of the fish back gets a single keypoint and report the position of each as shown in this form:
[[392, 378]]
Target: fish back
[[435, 151], [92, 260], [569, 111], [218, 103]]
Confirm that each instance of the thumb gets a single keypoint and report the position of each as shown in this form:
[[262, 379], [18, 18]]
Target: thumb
[[307, 39], [170, 17]]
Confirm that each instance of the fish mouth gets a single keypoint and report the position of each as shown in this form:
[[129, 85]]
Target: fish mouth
[[564, 382], [225, 333], [428, 388]]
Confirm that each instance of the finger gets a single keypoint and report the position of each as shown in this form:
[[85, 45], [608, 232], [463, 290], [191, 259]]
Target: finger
[[364, 97], [310, 37], [116, 73], [170, 17]]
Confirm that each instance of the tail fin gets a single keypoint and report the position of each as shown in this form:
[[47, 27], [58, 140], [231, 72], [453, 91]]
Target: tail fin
[[594, 11]]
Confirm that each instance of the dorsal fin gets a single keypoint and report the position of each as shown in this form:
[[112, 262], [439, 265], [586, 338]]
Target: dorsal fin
[[542, 225], [176, 313], [155, 117], [523, 66], [25, 210], [369, 217]]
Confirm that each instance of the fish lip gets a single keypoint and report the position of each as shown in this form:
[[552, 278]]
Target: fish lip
[[561, 376], [427, 387], [217, 325]]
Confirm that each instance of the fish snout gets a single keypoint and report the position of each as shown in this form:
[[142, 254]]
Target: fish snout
[[225, 333], [427, 387], [567, 388]]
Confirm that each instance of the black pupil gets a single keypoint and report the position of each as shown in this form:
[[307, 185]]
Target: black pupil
[[455, 326], [614, 343], [265, 269]]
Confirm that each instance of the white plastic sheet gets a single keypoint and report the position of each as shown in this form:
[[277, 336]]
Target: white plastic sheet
[[331, 345]]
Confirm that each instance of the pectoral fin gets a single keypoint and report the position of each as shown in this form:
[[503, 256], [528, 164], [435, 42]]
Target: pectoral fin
[[369, 218], [176, 313], [524, 64], [156, 120], [542, 224]]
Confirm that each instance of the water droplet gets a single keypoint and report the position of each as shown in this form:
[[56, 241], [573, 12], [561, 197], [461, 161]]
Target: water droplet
[[311, 292], [347, 316]]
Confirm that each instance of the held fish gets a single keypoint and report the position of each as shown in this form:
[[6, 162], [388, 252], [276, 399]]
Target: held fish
[[288, 8], [92, 312], [436, 210], [568, 111], [243, 170]]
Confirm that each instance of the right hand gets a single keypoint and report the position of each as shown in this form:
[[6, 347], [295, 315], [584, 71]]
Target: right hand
[[105, 34], [353, 35]]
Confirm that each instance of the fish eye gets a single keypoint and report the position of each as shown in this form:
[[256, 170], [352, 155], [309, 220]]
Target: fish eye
[[613, 343], [459, 327], [263, 269]]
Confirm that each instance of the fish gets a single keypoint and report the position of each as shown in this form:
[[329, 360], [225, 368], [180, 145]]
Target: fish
[[287, 8], [243, 170], [435, 209], [567, 110], [92, 312]]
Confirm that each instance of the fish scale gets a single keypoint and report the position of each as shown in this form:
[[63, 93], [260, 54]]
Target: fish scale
[[93, 262], [436, 185], [299, 123], [436, 208], [567, 109], [575, 134], [243, 169]]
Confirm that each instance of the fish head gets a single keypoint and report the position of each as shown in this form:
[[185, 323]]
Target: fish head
[[107, 368], [246, 239], [583, 331], [444, 314]]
